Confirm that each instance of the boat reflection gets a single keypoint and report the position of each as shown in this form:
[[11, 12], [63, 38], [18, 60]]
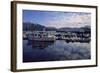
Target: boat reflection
[[39, 44]]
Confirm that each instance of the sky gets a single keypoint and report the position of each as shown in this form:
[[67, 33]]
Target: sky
[[57, 19]]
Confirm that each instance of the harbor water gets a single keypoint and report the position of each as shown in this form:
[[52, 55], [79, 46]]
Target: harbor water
[[59, 50]]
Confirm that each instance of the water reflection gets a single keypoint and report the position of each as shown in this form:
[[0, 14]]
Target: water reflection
[[35, 51], [39, 44]]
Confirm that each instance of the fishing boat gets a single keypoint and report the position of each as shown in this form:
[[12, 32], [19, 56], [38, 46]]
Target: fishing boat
[[47, 36]]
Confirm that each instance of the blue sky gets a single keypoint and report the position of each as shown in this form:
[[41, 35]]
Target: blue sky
[[57, 19]]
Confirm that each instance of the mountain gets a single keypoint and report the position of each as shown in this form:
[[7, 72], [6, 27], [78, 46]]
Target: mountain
[[71, 29], [51, 29], [38, 27], [32, 26], [75, 29]]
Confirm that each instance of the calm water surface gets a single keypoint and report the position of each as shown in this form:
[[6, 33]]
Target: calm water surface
[[55, 51]]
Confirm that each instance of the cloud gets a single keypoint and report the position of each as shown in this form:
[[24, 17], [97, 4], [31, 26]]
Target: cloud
[[69, 20]]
